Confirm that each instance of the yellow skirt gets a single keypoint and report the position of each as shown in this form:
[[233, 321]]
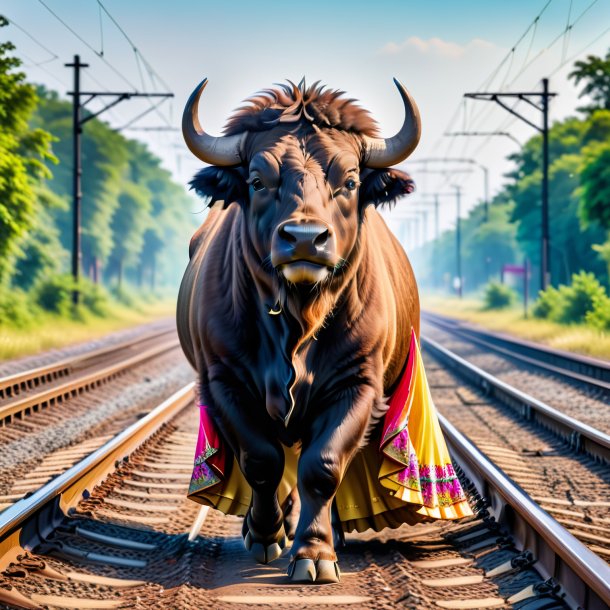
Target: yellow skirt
[[407, 478]]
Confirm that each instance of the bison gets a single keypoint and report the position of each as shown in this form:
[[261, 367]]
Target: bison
[[299, 311]]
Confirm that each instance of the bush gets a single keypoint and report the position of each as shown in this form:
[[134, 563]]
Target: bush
[[498, 296], [548, 304], [94, 298], [599, 316], [54, 293], [574, 303], [577, 299], [16, 309]]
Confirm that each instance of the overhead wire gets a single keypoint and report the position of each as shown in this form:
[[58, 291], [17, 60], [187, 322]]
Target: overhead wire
[[100, 54], [139, 57], [89, 46], [527, 63], [54, 55], [491, 76]]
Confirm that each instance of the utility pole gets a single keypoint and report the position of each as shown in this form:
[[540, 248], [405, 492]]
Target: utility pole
[[458, 241], [545, 254], [76, 176], [438, 279], [77, 129], [543, 107]]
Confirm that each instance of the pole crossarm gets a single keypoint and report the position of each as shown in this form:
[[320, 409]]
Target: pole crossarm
[[483, 133], [451, 170], [106, 107], [524, 96], [119, 97], [447, 160]]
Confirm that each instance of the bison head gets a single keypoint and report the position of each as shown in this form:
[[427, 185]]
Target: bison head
[[303, 163]]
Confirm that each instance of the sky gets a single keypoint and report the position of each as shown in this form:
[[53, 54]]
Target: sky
[[438, 49]]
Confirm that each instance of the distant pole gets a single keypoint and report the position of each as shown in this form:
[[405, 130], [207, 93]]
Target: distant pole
[[486, 184], [458, 241], [436, 244], [525, 285], [545, 259], [76, 176]]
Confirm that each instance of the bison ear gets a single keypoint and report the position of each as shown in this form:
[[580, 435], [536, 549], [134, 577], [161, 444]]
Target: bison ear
[[220, 184], [384, 187]]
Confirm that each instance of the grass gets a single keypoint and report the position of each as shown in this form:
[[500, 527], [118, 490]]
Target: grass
[[53, 331], [573, 337]]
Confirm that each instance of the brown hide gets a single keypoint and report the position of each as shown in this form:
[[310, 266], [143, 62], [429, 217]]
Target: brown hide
[[297, 306]]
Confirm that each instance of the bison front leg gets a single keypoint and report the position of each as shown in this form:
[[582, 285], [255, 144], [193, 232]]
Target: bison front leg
[[263, 529], [335, 437], [261, 460]]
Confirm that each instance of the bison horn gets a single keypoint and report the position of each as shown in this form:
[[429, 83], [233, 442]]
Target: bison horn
[[223, 151], [383, 152]]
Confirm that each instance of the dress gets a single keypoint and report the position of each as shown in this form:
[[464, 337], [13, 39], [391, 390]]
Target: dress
[[406, 477]]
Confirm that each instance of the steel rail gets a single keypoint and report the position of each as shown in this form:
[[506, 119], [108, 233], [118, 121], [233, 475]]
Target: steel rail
[[583, 575], [24, 380], [577, 368], [578, 434], [72, 387], [69, 486]]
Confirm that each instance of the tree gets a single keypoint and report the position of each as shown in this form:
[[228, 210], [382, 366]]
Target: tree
[[595, 180], [595, 72], [595, 200], [22, 155], [570, 240]]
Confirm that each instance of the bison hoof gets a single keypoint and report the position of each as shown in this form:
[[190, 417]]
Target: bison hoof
[[323, 571], [265, 551]]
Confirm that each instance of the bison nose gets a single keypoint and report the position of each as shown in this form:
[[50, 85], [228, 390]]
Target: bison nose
[[303, 236]]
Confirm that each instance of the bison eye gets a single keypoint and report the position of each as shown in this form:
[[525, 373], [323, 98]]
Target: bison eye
[[257, 185], [350, 184]]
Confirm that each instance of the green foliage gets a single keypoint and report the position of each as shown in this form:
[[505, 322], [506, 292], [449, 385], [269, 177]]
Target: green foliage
[[16, 309], [595, 180], [577, 299], [498, 296], [595, 72], [599, 316], [571, 304], [548, 304], [603, 251], [570, 241], [94, 298], [22, 155], [40, 252], [53, 293]]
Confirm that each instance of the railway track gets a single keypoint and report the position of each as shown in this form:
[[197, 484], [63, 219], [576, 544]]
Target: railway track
[[561, 462], [592, 373], [577, 399], [28, 391], [115, 530], [70, 408]]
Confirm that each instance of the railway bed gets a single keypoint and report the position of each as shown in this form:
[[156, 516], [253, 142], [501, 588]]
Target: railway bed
[[588, 371], [570, 484], [116, 531], [584, 397], [102, 392]]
